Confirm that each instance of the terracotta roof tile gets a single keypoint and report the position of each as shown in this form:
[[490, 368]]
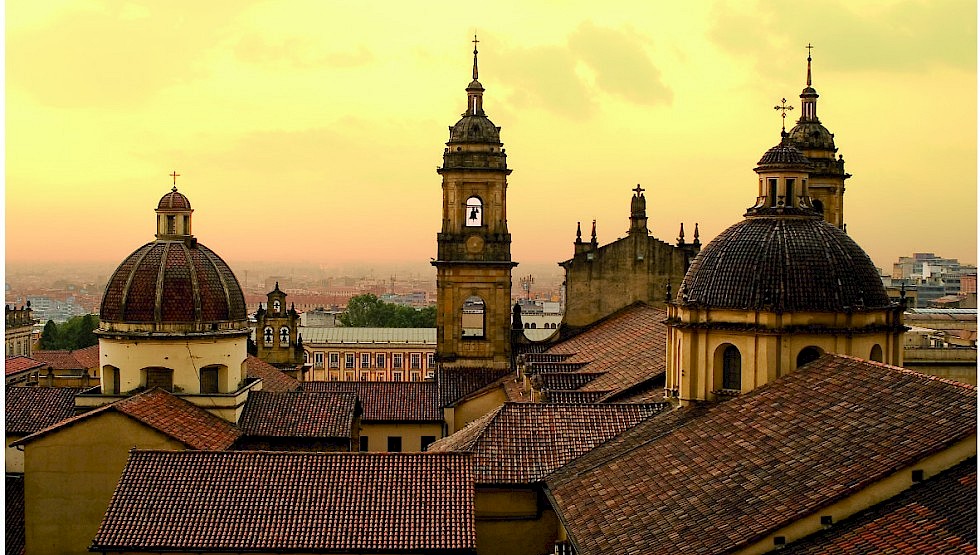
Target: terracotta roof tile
[[273, 379], [746, 467], [170, 415], [935, 517], [308, 414], [14, 507], [389, 401], [292, 502], [457, 383], [81, 359], [30, 409], [16, 364], [574, 397], [521, 443], [88, 356], [563, 381]]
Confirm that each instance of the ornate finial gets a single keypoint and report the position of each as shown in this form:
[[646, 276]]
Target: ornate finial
[[174, 175], [578, 232], [680, 236], [809, 51], [667, 296], [639, 190], [697, 238], [594, 240], [783, 108], [476, 73]]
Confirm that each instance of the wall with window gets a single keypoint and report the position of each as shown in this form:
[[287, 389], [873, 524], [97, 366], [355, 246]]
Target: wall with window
[[410, 434], [375, 362]]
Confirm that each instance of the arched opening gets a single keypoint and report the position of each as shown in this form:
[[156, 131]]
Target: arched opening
[[474, 212], [876, 353], [156, 376], [808, 355], [474, 318], [110, 380], [818, 206], [267, 336], [276, 306], [284, 336], [210, 379], [731, 372]]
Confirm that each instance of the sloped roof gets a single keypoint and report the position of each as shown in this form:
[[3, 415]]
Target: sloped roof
[[30, 409], [935, 517], [750, 465], [457, 383], [307, 414], [296, 501], [389, 401], [14, 508], [79, 359], [273, 379], [17, 364], [520, 443], [165, 413]]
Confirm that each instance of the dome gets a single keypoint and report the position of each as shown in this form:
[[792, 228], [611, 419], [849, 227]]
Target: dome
[[474, 129], [174, 282], [784, 264], [811, 135], [784, 155], [174, 201]]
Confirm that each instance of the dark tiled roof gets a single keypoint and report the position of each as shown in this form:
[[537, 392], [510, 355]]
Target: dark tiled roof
[[535, 367], [389, 401], [748, 466], [784, 155], [783, 264], [307, 414], [174, 201], [15, 364], [172, 282], [273, 379], [14, 507], [169, 415], [81, 359], [30, 409], [935, 517], [574, 397], [457, 383], [291, 502], [562, 381], [521, 443], [88, 357], [544, 357], [629, 347]]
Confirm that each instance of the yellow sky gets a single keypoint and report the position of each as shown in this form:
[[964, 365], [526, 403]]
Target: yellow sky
[[311, 131]]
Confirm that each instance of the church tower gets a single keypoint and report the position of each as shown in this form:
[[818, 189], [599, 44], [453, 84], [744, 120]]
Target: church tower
[[827, 173], [277, 341], [473, 268]]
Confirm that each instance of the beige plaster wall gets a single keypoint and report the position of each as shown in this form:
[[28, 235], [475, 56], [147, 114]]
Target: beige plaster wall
[[411, 434], [13, 458], [70, 475], [183, 355], [515, 521], [470, 409]]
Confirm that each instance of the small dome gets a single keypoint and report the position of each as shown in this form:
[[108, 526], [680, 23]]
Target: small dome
[[784, 155], [174, 201], [474, 129], [784, 264], [174, 282], [812, 135]]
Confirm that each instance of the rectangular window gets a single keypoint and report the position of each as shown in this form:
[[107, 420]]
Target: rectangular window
[[430, 359], [398, 376], [365, 360], [396, 360], [416, 361], [426, 440], [333, 377], [364, 443], [349, 360], [364, 376], [381, 377], [379, 360], [318, 360], [790, 183], [416, 376], [335, 360], [394, 444], [348, 376], [772, 191]]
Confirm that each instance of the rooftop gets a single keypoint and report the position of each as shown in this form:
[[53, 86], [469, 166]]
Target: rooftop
[[30, 409], [356, 336], [308, 414], [273, 379], [389, 401]]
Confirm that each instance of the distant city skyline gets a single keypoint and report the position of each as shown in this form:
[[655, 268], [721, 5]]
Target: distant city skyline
[[309, 133]]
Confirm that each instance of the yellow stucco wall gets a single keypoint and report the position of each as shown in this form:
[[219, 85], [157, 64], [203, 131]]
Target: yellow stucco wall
[[517, 521], [70, 475], [411, 434], [470, 409], [13, 458]]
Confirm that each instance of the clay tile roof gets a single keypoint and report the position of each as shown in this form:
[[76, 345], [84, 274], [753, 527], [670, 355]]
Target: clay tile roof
[[574, 397], [389, 401], [746, 467], [30, 409], [298, 414], [521, 443], [169, 415], [563, 381], [174, 201], [291, 502], [273, 379], [629, 347], [14, 499], [935, 517], [457, 383], [67, 360], [17, 364], [88, 357]]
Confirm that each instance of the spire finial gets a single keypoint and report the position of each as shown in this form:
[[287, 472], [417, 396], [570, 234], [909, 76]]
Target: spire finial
[[783, 108], [594, 240], [174, 175], [639, 190], [578, 232], [809, 51], [697, 237], [476, 72], [680, 236]]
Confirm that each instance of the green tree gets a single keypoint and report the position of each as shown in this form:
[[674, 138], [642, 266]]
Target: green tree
[[49, 337], [368, 311], [76, 333]]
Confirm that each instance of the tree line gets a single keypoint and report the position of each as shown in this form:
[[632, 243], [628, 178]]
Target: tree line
[[76, 333], [368, 311]]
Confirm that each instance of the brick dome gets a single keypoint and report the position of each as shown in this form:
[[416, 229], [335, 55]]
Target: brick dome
[[784, 264], [174, 282], [174, 201]]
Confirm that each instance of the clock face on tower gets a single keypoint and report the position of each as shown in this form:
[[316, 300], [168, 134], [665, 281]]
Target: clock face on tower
[[474, 244]]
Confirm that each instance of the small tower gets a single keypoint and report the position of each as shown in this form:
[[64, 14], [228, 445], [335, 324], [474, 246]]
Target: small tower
[[827, 175], [473, 265], [276, 338]]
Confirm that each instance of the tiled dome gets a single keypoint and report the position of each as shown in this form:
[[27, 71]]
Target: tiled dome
[[474, 129], [784, 264], [174, 201], [812, 135], [784, 155], [173, 282]]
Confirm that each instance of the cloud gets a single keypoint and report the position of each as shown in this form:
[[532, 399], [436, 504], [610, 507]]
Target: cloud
[[620, 64], [297, 52]]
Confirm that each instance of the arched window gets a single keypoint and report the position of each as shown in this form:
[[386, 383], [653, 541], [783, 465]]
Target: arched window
[[110, 380], [209, 379], [158, 377], [473, 318], [808, 355], [817, 205], [284, 336], [276, 306], [731, 376], [268, 336], [534, 326], [474, 212], [876, 353]]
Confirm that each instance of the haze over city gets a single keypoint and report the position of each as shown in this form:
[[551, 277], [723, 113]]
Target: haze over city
[[309, 132]]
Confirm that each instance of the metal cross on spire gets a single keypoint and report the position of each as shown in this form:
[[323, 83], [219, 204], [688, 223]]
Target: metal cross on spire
[[174, 175], [809, 49], [476, 73], [783, 108], [639, 190]]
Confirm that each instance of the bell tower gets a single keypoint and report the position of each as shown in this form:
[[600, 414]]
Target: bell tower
[[473, 267]]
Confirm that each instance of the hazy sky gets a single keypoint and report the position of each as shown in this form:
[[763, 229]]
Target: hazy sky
[[312, 130]]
